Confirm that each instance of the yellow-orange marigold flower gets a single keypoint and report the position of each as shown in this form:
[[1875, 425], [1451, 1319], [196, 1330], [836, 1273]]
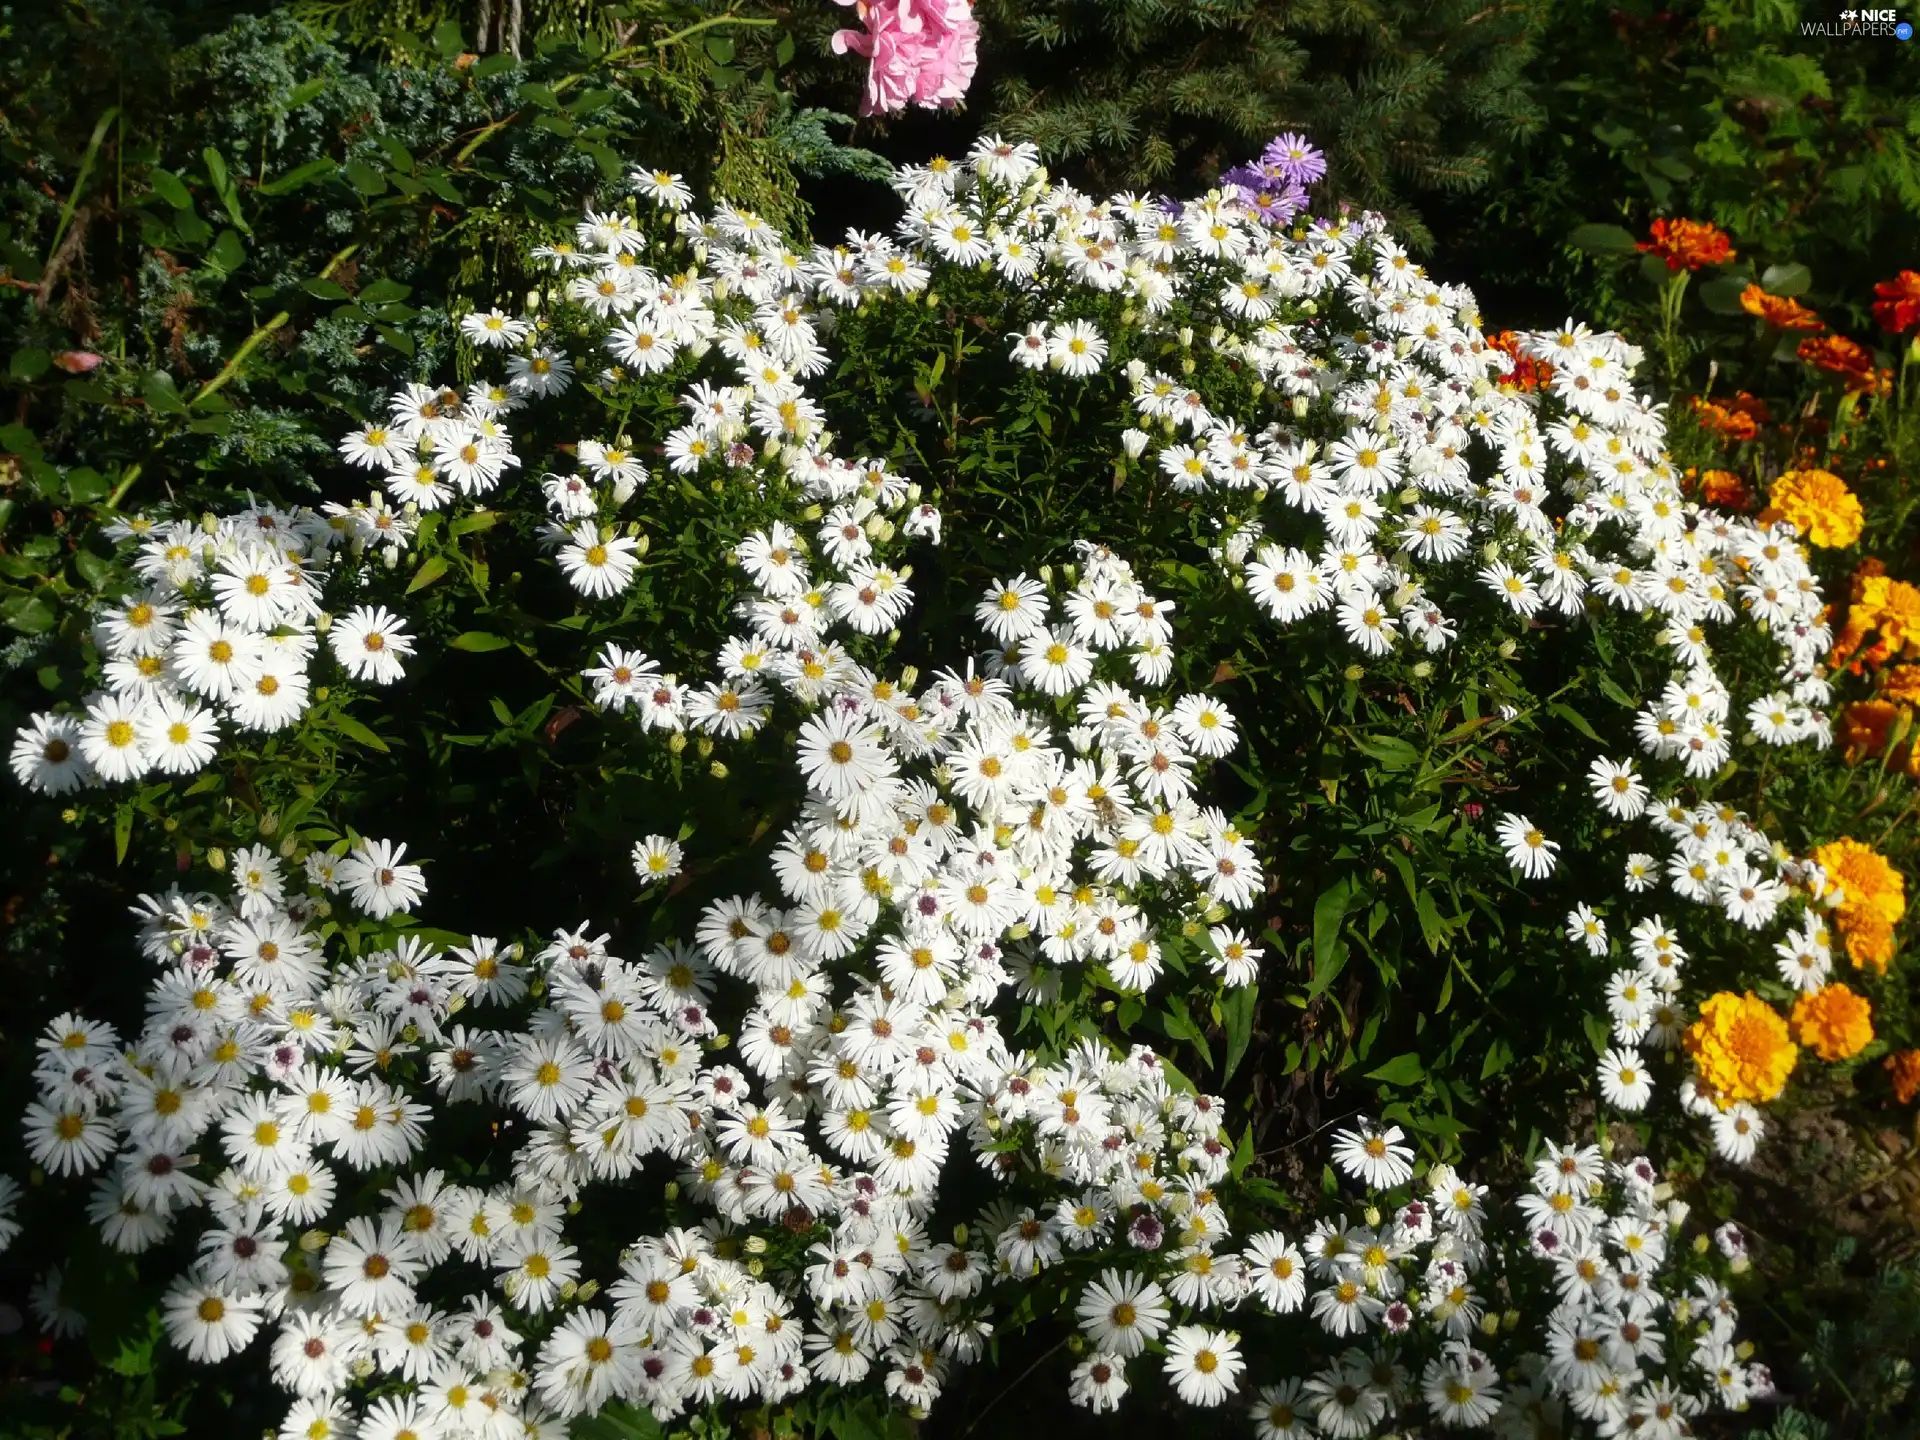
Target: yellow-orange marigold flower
[[1779, 310], [1902, 685], [1872, 885], [1904, 1067], [1869, 942], [1741, 1048], [1833, 1022], [1820, 505]]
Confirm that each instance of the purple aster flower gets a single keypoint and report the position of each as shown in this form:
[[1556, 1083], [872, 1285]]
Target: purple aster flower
[[1275, 204], [1294, 156]]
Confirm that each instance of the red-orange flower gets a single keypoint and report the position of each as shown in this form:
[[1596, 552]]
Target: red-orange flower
[[1843, 357], [1688, 244], [1898, 308], [1527, 373], [1726, 490], [1779, 310], [1904, 1067], [1735, 425]]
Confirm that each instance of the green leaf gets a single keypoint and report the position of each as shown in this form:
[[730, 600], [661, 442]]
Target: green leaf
[[1599, 1034], [96, 570], [1722, 294], [1329, 951], [1789, 280], [161, 396], [228, 254], [1499, 1056], [431, 569], [382, 291], [1243, 1155], [300, 174], [28, 614], [720, 48], [479, 641], [305, 91], [1390, 751], [122, 832], [1578, 721], [170, 188], [783, 52], [1433, 926], [1236, 1019], [1401, 1070], [367, 180], [617, 1421], [478, 520], [1603, 240], [216, 164], [447, 39], [355, 731], [29, 364]]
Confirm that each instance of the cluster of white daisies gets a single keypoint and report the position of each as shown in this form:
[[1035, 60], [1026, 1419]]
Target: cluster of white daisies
[[954, 845], [221, 631], [270, 1082]]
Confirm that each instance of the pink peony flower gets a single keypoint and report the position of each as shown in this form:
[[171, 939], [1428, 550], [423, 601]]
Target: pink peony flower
[[922, 52]]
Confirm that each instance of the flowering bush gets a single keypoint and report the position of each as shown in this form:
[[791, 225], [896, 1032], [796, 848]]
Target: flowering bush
[[1100, 695]]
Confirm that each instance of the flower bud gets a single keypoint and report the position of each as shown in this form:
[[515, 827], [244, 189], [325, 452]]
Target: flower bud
[[1356, 672], [217, 858], [717, 770], [1422, 669], [1508, 649]]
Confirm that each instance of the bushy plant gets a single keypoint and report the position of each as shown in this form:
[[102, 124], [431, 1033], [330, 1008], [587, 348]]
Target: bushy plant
[[1249, 515]]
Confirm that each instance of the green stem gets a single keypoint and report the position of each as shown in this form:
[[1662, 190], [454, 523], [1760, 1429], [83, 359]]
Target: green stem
[[247, 347], [80, 180]]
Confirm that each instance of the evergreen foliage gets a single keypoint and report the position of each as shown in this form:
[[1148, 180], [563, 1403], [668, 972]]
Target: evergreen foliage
[[1412, 100]]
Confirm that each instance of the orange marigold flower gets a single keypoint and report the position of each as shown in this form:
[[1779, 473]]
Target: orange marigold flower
[[1528, 373], [1732, 425], [1902, 685], [1904, 1067], [1898, 308], [1900, 618], [1843, 357], [1872, 900], [1740, 1048], [1864, 727], [1869, 942], [1820, 505], [1688, 244], [1869, 884], [1778, 310], [1833, 1022], [1726, 490]]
